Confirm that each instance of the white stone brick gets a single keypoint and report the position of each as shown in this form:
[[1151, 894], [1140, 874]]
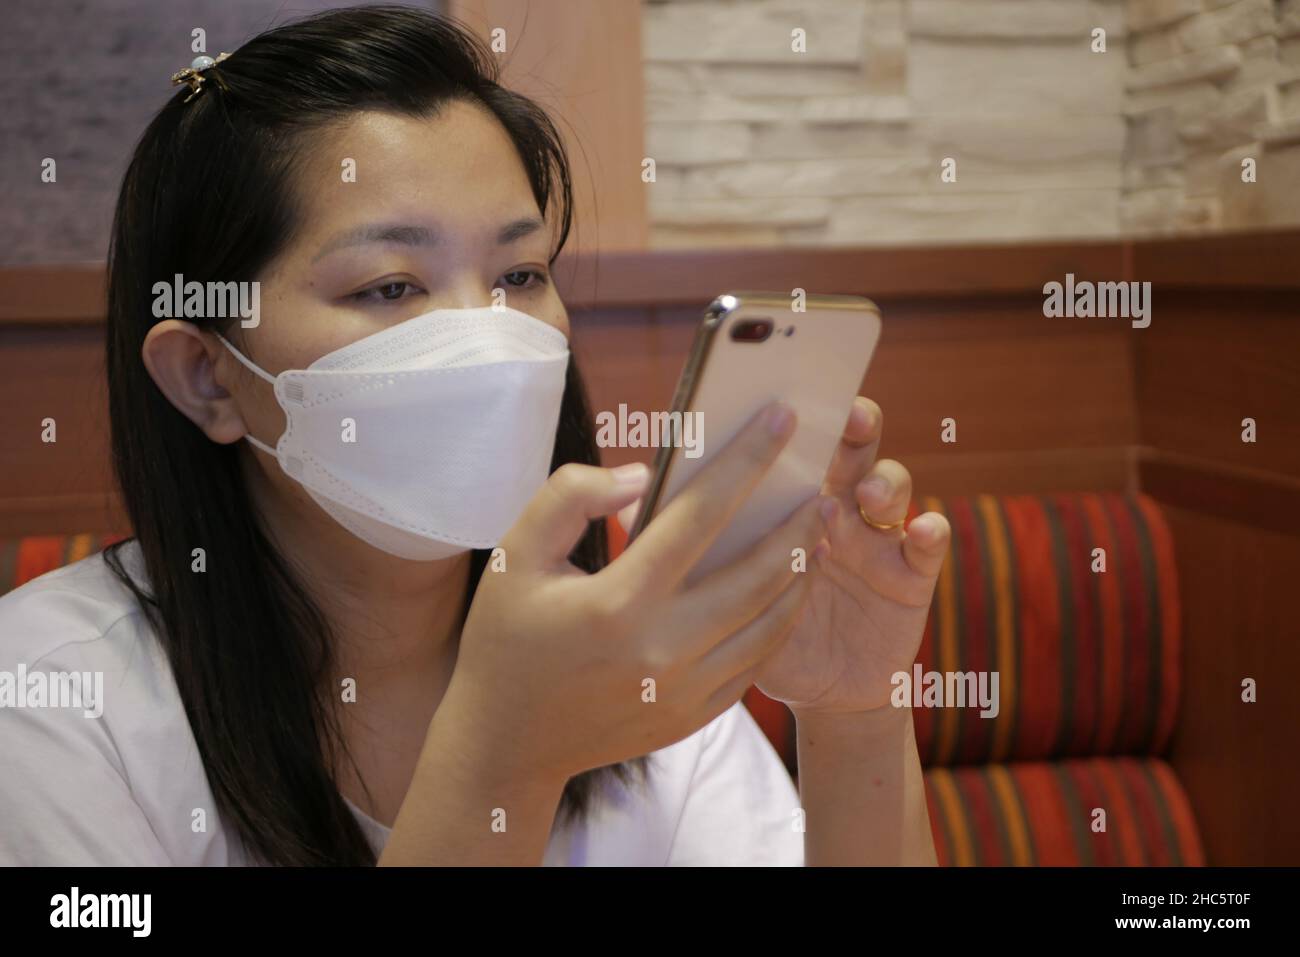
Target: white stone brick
[[982, 176], [828, 177], [1234, 120], [756, 33], [1199, 214], [1271, 201], [808, 141], [1148, 14], [884, 64], [1027, 138], [1259, 65], [1156, 45], [967, 217], [1187, 96], [713, 237], [1149, 210], [1162, 211], [1288, 95], [1288, 20], [740, 212], [667, 186], [885, 15], [1245, 205], [855, 109], [885, 71], [664, 107], [998, 19], [1153, 138], [692, 143], [675, 77], [1051, 141], [1280, 134], [1188, 112], [1213, 64], [739, 79], [1243, 20], [983, 79], [1153, 177], [1202, 172], [1230, 161]]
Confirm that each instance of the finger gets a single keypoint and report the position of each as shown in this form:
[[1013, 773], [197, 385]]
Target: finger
[[732, 596], [885, 493], [573, 496], [926, 543], [856, 451], [679, 536], [627, 515], [734, 663]]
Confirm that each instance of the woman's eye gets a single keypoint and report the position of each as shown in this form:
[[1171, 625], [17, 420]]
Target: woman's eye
[[523, 275], [384, 292]]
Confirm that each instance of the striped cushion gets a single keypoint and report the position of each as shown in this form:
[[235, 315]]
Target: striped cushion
[[1042, 813], [1087, 662], [22, 559]]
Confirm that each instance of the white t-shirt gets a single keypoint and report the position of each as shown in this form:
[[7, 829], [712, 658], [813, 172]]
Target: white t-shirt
[[122, 788]]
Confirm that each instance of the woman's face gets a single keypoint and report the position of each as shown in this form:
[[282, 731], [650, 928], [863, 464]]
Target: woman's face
[[441, 213], [438, 215]]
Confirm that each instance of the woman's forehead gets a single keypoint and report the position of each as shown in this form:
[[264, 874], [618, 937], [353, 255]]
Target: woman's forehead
[[457, 174]]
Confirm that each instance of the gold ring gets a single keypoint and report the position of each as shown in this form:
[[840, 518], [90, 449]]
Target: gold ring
[[884, 527]]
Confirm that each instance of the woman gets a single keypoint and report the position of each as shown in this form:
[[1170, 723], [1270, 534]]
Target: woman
[[304, 659]]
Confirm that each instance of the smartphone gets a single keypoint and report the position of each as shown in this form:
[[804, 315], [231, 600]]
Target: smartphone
[[753, 348]]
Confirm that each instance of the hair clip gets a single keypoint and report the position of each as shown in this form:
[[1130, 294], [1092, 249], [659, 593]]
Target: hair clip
[[193, 74]]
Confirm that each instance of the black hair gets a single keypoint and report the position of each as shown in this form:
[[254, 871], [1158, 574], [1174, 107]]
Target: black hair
[[250, 650]]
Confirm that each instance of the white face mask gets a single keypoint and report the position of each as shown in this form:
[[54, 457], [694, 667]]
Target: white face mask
[[452, 425]]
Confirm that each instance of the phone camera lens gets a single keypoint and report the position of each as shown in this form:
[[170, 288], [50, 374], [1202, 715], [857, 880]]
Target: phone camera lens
[[752, 330]]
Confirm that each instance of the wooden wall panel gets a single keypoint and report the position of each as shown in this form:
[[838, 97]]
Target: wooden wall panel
[[1041, 405], [572, 58], [1237, 760], [1210, 359], [1265, 500], [693, 277], [1212, 356], [63, 486], [1263, 259]]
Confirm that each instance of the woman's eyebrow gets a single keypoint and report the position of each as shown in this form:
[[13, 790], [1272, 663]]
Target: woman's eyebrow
[[403, 234], [519, 229]]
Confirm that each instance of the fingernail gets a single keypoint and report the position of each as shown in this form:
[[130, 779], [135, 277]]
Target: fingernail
[[779, 418], [877, 488], [632, 474]]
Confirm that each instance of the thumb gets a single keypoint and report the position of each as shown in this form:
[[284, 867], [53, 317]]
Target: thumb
[[558, 515]]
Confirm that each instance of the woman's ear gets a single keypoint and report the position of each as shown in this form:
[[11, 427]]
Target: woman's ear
[[182, 361]]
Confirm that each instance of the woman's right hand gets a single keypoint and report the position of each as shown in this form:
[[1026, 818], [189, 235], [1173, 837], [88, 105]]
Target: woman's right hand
[[552, 661]]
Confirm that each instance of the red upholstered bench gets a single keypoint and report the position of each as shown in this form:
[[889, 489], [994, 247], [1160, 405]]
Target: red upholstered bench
[[1088, 667], [22, 559]]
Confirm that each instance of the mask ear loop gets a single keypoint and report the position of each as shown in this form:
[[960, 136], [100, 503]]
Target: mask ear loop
[[259, 371]]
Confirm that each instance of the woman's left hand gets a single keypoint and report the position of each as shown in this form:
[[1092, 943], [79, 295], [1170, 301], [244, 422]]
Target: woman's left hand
[[866, 613]]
